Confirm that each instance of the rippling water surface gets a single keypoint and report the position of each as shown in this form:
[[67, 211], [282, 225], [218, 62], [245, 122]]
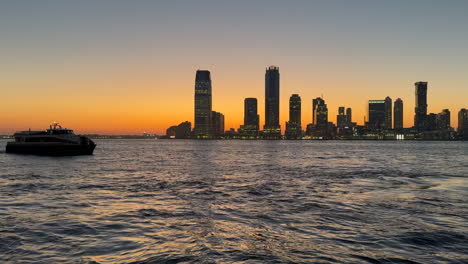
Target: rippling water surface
[[171, 201]]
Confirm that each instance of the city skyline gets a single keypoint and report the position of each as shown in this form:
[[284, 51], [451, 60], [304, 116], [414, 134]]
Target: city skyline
[[127, 68]]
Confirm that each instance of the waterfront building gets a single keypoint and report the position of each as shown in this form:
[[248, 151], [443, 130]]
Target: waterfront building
[[341, 118], [420, 110], [320, 127], [272, 127], [349, 116], [251, 119], [294, 126], [431, 122], [388, 113], [171, 132], [183, 130], [203, 102], [398, 114], [217, 124], [463, 123], [443, 120], [376, 114]]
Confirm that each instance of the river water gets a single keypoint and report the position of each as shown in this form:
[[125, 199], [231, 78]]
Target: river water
[[184, 201]]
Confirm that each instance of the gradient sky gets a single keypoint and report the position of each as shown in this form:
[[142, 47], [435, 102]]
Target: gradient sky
[[124, 67]]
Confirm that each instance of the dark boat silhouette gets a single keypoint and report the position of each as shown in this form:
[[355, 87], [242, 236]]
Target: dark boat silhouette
[[55, 141]]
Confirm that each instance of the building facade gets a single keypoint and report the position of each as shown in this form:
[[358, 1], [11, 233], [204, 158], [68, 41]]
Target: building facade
[[203, 102], [217, 124], [294, 125], [376, 114], [420, 110], [388, 113], [463, 123], [398, 114], [443, 120], [251, 119], [349, 116], [272, 127]]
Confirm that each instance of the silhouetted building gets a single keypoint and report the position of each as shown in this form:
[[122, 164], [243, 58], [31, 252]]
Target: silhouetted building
[[171, 132], [420, 111], [443, 120], [388, 113], [251, 119], [217, 123], [341, 118], [376, 114], [398, 114], [320, 111], [463, 123], [349, 116], [202, 104], [272, 94], [431, 122], [183, 130], [294, 126]]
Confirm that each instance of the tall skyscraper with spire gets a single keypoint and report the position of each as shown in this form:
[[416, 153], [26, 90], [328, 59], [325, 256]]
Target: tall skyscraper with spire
[[272, 95], [420, 110], [203, 111], [398, 114]]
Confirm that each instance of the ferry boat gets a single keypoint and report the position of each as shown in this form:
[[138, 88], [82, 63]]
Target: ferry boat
[[55, 141]]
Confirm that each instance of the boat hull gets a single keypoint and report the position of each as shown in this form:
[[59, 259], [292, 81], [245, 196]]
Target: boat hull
[[50, 149]]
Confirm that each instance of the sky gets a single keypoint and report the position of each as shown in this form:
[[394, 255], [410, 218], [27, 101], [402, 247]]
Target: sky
[[128, 67]]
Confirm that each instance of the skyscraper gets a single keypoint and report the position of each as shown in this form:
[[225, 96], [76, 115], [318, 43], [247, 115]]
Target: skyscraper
[[398, 114], [420, 110], [349, 116], [376, 114], [294, 126], [388, 113], [443, 120], [314, 109], [463, 123], [251, 119], [321, 113], [203, 117], [341, 118], [272, 94], [217, 124]]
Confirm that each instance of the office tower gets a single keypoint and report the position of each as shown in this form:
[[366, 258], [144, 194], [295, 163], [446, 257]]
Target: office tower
[[183, 130], [463, 123], [321, 117], [398, 114], [217, 124], [349, 116], [318, 102], [341, 118], [443, 120], [251, 119], [295, 109], [314, 109], [420, 110], [431, 122], [202, 104], [272, 94], [388, 113], [376, 114], [294, 126]]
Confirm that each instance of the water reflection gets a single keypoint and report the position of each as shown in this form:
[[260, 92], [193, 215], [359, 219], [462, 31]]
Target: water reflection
[[237, 202]]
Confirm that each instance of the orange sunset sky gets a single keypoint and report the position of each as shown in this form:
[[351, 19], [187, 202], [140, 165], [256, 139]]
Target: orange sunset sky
[[125, 68]]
